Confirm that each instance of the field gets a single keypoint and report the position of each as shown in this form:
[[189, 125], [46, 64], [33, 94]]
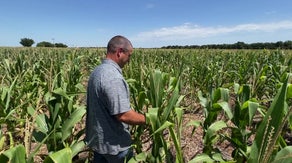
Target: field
[[201, 105]]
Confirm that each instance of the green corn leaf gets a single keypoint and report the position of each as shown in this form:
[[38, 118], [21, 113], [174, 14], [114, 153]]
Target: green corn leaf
[[15, 154], [4, 90], [156, 88], [9, 94], [212, 130], [30, 110], [221, 93], [176, 141], [194, 123], [225, 106], [284, 155], [245, 92], [69, 123], [203, 100], [268, 131], [61, 156], [179, 115], [218, 157], [141, 100], [164, 126], [55, 111], [2, 141], [236, 88], [42, 123], [70, 106], [252, 108], [152, 118], [171, 104], [80, 87], [10, 113], [202, 158], [141, 157], [7, 66], [289, 91], [61, 92], [77, 147]]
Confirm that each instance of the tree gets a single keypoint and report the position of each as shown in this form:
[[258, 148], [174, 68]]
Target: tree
[[288, 44], [60, 45], [240, 45], [45, 44], [26, 42]]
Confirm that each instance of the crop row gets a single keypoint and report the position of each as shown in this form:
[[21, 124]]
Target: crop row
[[42, 104]]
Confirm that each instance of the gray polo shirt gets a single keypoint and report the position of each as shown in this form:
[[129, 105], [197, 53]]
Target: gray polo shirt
[[107, 95]]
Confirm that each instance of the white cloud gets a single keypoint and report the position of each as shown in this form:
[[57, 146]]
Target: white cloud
[[189, 31]]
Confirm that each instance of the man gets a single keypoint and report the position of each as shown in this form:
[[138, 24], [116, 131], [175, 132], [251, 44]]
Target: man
[[108, 106]]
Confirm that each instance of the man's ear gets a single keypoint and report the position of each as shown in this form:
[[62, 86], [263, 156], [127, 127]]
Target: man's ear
[[119, 52]]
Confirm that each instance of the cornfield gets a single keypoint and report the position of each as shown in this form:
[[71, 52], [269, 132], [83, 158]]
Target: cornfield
[[244, 97]]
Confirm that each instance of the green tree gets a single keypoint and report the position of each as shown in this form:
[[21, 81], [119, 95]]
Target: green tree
[[26, 42], [60, 45], [288, 44], [45, 44], [240, 45]]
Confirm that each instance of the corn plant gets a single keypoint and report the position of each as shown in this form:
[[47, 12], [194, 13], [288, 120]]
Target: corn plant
[[57, 127], [244, 111], [42, 85], [17, 155], [140, 104], [215, 102], [163, 114], [6, 110], [265, 148]]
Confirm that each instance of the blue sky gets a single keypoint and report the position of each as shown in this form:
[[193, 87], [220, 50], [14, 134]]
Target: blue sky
[[148, 23]]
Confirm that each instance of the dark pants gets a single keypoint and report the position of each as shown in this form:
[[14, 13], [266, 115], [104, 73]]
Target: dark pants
[[121, 157]]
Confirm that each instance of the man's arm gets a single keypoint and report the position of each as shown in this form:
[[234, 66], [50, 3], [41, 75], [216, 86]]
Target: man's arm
[[132, 118]]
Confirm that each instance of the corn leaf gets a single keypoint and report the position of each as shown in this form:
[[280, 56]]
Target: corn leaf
[[283, 156], [15, 154], [61, 156], [69, 123], [202, 158], [267, 133], [164, 126]]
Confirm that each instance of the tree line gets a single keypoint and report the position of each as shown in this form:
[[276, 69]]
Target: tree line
[[27, 42], [238, 45]]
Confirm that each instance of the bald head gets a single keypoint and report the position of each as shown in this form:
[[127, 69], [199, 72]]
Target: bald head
[[119, 49], [118, 42]]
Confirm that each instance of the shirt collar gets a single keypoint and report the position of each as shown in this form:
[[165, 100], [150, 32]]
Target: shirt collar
[[113, 63]]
